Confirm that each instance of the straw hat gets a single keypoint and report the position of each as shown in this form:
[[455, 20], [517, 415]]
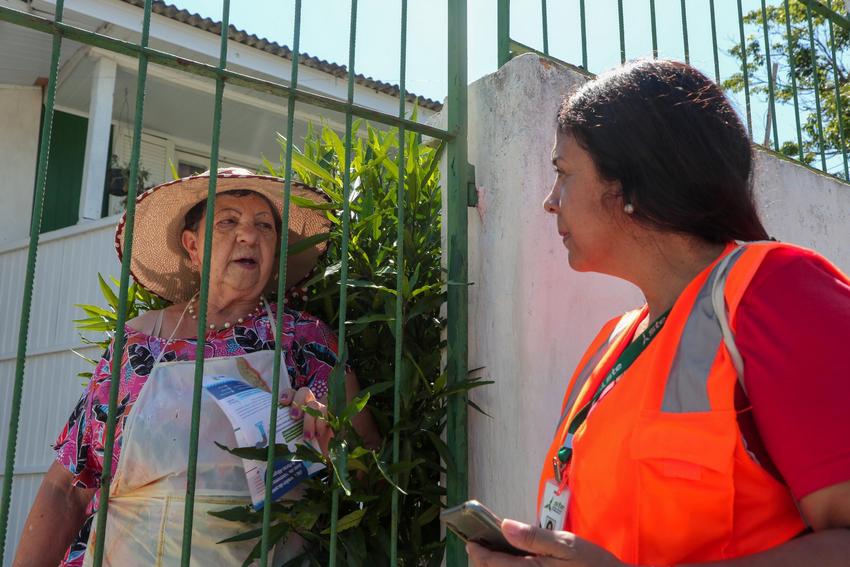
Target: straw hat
[[159, 262]]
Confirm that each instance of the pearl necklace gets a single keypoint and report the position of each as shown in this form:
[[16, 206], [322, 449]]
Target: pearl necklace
[[227, 324]]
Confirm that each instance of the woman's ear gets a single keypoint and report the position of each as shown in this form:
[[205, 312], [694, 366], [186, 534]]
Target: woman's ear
[[190, 243]]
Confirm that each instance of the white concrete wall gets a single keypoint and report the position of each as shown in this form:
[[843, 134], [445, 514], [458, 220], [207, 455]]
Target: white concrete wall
[[20, 116], [804, 206], [531, 316]]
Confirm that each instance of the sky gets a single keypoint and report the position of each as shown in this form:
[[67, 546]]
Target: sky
[[325, 34]]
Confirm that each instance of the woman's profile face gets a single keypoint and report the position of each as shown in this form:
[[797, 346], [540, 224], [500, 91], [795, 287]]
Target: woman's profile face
[[244, 245], [582, 204]]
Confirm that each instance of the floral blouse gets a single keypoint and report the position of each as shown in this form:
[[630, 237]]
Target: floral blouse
[[309, 352]]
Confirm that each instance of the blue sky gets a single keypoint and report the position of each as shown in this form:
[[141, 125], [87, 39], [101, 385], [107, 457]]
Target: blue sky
[[325, 31]]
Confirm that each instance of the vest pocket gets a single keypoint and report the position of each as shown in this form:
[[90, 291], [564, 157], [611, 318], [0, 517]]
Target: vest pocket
[[685, 499]]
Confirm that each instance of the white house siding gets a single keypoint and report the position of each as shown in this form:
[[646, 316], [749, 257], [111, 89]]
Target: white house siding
[[531, 316], [66, 273], [20, 115]]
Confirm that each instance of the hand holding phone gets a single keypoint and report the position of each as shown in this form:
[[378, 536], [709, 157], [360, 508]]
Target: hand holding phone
[[474, 522]]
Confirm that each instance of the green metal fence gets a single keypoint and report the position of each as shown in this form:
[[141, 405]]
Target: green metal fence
[[807, 102], [456, 188]]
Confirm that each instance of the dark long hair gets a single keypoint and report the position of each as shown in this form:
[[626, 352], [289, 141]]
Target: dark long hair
[[671, 138]]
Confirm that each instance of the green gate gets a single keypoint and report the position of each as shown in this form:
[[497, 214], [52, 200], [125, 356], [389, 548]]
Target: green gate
[[802, 33], [454, 136]]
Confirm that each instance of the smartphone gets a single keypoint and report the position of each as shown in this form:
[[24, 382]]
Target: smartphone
[[473, 521]]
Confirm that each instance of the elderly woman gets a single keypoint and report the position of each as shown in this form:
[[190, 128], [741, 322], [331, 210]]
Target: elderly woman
[[710, 425], [157, 366]]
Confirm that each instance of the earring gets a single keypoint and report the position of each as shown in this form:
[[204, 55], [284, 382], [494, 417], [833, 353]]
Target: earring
[[629, 209]]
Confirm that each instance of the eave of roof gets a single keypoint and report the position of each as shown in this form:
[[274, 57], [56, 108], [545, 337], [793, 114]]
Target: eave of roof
[[251, 40]]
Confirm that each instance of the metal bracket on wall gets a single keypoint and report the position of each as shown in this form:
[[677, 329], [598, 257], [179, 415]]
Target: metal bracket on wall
[[471, 191]]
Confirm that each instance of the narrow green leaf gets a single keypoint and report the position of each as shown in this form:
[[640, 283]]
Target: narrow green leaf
[[282, 452], [306, 243], [371, 319], [306, 203], [348, 521], [84, 357], [339, 458], [443, 450], [354, 407], [304, 162], [244, 514], [174, 174], [384, 474], [96, 311], [107, 292]]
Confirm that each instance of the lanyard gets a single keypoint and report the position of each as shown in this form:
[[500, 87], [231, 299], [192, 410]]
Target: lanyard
[[623, 363]]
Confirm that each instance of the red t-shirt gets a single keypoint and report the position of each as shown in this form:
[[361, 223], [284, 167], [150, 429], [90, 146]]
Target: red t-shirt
[[793, 325]]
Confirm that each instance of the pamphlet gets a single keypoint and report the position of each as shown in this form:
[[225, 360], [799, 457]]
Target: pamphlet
[[247, 407]]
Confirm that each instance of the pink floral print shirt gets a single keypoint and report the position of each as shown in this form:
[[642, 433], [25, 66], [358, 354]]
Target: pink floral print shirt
[[309, 352]]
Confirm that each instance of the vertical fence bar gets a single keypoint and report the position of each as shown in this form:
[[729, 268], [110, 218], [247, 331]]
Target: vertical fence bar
[[622, 31], [118, 341], [654, 25], [838, 106], [283, 254], [334, 393], [545, 27], [503, 31], [684, 12], [792, 70], [770, 78], [583, 21], [714, 42], [745, 68], [191, 469], [399, 286], [26, 303], [816, 78], [458, 293]]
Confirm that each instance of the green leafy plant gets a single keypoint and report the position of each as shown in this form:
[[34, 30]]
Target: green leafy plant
[[364, 476], [827, 69], [105, 319]]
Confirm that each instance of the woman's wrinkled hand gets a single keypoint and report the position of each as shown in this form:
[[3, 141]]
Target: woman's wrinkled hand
[[545, 548], [315, 429]]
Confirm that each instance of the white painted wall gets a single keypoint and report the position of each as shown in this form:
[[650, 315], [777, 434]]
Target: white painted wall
[[20, 116], [66, 273], [531, 316], [804, 206]]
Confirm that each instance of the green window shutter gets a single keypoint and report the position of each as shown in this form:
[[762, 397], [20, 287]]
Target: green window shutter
[[64, 171]]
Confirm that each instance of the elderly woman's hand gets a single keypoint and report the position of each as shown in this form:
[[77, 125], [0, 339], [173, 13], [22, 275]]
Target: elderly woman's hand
[[545, 548], [314, 428]]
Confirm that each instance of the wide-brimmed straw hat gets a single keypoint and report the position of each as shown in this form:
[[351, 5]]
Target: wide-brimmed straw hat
[[160, 263]]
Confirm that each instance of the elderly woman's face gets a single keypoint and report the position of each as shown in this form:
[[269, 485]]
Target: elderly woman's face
[[244, 243]]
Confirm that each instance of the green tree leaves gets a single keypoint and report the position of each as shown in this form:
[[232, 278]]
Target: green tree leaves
[[808, 61]]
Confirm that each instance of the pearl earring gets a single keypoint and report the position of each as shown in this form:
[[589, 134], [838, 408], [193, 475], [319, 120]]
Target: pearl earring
[[629, 209]]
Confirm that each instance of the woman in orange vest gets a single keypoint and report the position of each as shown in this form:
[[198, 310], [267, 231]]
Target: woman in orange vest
[[712, 425]]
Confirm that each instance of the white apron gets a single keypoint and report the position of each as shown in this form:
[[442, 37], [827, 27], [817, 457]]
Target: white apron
[[147, 496]]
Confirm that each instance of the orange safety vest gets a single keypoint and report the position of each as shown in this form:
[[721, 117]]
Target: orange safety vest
[[660, 473]]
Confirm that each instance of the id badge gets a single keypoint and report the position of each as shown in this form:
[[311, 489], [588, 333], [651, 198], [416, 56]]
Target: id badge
[[553, 512]]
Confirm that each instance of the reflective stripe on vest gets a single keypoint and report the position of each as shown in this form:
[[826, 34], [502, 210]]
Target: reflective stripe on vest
[[686, 389]]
